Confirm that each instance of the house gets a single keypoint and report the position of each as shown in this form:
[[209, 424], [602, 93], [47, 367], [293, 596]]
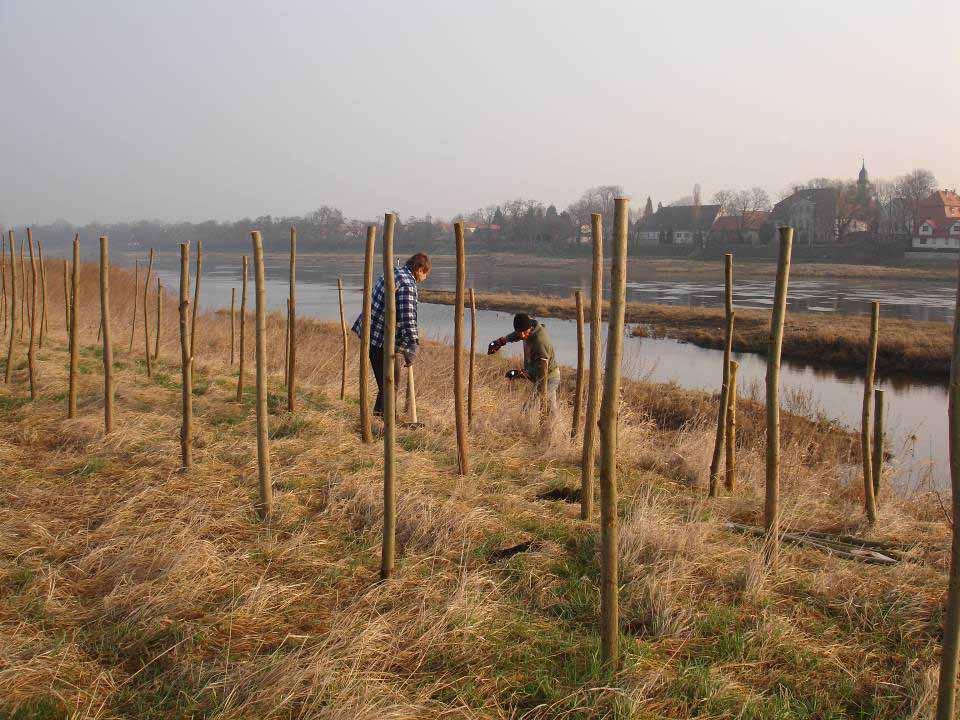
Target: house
[[746, 228], [937, 222], [677, 225], [827, 215]]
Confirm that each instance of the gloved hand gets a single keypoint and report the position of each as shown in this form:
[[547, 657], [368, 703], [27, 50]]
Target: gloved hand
[[409, 355], [495, 346], [514, 374]]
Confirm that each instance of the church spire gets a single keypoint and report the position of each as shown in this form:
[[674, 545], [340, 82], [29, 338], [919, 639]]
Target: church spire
[[863, 178]]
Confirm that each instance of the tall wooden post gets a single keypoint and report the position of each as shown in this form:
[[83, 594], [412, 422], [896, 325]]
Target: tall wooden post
[[722, 410], [23, 293], [366, 433], [877, 469], [609, 410], [950, 655], [869, 502], [292, 315], [263, 447], [458, 404], [146, 325], [593, 386], [718, 444], [731, 439], [136, 298], [233, 325], [343, 337], [771, 508], [31, 348], [156, 343], [473, 354], [66, 297], [286, 346], [196, 309], [107, 338], [13, 310], [73, 306], [186, 379], [388, 551], [3, 279], [43, 293], [243, 331], [578, 389]]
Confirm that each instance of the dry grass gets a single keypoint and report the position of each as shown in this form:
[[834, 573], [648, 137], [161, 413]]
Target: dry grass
[[918, 347], [131, 589]]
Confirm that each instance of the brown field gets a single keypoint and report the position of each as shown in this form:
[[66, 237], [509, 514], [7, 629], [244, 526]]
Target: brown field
[[131, 589], [839, 341]]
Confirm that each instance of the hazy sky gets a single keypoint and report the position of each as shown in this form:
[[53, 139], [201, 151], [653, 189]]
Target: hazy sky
[[197, 109]]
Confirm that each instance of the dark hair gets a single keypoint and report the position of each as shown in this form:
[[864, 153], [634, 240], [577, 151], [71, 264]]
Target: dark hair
[[522, 321], [420, 261]]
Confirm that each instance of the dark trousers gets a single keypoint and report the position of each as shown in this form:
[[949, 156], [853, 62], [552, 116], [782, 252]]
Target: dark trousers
[[376, 360]]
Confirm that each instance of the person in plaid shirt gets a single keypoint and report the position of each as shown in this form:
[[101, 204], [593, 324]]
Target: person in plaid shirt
[[405, 279]]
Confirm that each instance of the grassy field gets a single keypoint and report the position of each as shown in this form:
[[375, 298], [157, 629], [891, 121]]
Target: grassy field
[[915, 347], [129, 588]]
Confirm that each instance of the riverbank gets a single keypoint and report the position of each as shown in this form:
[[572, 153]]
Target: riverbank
[[832, 341], [139, 590]]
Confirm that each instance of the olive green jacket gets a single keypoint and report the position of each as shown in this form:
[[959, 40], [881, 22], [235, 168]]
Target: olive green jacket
[[535, 349]]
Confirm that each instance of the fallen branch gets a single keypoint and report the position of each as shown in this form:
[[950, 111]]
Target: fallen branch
[[854, 549]]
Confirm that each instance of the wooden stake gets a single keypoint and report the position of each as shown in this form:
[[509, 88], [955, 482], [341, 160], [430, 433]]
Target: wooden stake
[[722, 410], [243, 330], [233, 324], [31, 347], [869, 502], [460, 418], [136, 298], [578, 390], [950, 655], [107, 343], [366, 433], [877, 441], [286, 346], [196, 309], [43, 293], [66, 297], [265, 506], [13, 310], [771, 508], [156, 340], [292, 314], [388, 551], [3, 279], [609, 410], [146, 325], [545, 414], [186, 379], [731, 435], [23, 293], [411, 397], [473, 353], [593, 387], [73, 306], [718, 444], [343, 337]]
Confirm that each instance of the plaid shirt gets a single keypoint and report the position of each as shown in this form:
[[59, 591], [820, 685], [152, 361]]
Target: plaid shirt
[[406, 288]]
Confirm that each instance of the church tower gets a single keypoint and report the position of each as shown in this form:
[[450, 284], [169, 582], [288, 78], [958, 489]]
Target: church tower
[[863, 180]]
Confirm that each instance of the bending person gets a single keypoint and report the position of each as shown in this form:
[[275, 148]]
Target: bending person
[[536, 348], [405, 279]]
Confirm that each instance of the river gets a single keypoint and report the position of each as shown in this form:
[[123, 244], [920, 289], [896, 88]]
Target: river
[[916, 411]]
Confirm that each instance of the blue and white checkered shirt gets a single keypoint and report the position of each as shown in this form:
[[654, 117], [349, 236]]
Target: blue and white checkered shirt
[[406, 288]]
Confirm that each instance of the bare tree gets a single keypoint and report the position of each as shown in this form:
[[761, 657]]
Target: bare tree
[[743, 205]]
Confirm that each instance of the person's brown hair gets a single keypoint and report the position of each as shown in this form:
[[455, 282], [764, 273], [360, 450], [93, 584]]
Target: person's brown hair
[[420, 261]]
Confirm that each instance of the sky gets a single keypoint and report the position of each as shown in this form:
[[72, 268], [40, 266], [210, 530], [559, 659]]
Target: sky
[[204, 109]]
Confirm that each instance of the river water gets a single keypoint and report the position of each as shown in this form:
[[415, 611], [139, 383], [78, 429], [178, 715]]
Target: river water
[[916, 411]]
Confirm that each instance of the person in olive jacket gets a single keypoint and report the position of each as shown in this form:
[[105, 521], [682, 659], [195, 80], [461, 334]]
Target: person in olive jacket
[[536, 348]]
